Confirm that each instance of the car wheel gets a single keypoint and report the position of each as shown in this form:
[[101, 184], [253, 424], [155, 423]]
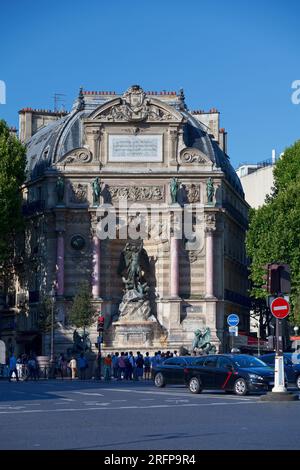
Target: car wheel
[[298, 382], [240, 387], [159, 380], [195, 385]]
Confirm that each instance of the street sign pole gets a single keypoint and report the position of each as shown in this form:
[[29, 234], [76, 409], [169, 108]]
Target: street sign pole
[[280, 309]]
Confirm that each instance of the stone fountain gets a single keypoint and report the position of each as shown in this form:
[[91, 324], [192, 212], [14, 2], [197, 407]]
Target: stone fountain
[[136, 327]]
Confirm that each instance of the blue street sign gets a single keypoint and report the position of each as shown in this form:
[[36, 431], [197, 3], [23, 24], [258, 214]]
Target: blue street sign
[[233, 319]]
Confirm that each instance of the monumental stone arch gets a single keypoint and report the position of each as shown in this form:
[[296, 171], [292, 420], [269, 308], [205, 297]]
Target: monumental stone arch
[[144, 159]]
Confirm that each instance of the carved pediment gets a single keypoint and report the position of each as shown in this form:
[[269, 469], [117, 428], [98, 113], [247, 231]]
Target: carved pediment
[[136, 106], [193, 156], [77, 156]]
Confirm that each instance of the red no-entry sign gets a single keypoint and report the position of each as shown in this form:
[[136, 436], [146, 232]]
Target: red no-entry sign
[[280, 308]]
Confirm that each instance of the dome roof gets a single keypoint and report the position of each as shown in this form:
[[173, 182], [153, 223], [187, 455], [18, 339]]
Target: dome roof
[[51, 142]]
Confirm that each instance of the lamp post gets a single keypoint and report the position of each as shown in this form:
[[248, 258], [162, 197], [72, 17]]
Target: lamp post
[[53, 296], [296, 329]]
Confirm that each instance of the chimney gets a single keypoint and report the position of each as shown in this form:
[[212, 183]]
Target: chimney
[[31, 120], [223, 140]]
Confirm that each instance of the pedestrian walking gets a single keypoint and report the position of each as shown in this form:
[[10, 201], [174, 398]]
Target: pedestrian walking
[[73, 367], [13, 367]]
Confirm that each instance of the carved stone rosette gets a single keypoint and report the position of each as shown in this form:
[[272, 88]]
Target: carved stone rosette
[[137, 193]]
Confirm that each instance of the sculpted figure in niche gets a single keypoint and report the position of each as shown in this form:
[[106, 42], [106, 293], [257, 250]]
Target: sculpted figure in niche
[[60, 189], [210, 190], [174, 186], [96, 191]]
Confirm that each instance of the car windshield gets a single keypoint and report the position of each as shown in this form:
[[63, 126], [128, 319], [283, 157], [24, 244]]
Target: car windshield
[[248, 361]]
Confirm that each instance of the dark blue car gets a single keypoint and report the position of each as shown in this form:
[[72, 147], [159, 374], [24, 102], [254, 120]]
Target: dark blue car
[[291, 366]]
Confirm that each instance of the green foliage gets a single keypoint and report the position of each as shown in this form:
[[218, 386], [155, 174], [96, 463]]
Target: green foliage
[[287, 169], [12, 176], [82, 313], [45, 315], [274, 230]]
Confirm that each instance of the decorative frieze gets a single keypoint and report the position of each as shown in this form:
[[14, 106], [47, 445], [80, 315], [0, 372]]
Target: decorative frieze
[[78, 193], [193, 193], [137, 193]]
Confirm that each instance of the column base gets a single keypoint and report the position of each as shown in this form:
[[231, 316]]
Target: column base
[[210, 297]]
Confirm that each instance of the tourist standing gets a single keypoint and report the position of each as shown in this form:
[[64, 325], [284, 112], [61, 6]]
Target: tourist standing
[[107, 367], [73, 367], [115, 364], [62, 366], [139, 362], [82, 365], [13, 367], [122, 366], [147, 366]]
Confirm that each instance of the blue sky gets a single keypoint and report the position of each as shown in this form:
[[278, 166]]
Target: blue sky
[[236, 55]]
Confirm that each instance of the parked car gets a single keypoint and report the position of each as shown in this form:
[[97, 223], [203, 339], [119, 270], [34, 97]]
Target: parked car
[[238, 373], [291, 366]]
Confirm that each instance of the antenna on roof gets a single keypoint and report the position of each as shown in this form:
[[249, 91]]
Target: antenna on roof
[[58, 98]]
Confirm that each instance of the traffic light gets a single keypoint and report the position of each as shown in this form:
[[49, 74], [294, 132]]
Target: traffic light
[[278, 279], [100, 323]]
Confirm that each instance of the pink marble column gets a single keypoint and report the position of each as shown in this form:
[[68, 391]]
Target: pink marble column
[[209, 264], [174, 252], [96, 268], [60, 263]]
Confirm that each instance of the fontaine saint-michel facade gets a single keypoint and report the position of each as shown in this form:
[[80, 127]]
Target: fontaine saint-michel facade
[[135, 195]]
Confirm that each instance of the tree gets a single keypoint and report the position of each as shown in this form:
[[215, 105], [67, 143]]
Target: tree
[[45, 317], [82, 313], [274, 229], [12, 176]]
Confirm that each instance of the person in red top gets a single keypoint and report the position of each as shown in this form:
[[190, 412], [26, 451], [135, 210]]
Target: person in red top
[[107, 367]]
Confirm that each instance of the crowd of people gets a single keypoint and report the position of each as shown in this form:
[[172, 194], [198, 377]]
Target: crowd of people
[[117, 366], [127, 366]]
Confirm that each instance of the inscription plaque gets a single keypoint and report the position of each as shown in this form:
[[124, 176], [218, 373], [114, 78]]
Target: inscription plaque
[[135, 148]]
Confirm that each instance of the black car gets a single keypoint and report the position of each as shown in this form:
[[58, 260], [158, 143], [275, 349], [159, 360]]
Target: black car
[[291, 366], [238, 373]]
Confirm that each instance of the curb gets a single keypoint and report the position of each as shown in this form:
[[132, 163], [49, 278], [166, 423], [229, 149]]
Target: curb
[[279, 396]]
